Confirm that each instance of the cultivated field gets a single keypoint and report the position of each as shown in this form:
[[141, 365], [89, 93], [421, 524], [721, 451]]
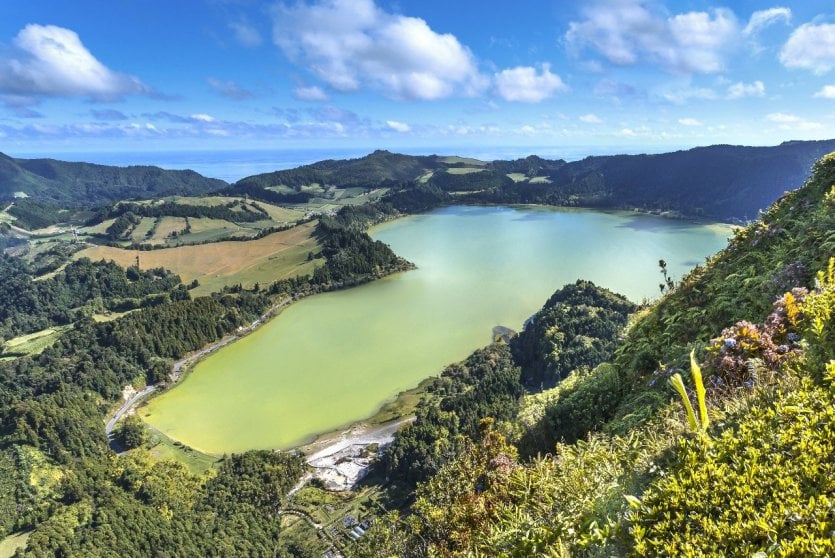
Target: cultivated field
[[463, 170], [141, 231], [166, 227], [276, 256]]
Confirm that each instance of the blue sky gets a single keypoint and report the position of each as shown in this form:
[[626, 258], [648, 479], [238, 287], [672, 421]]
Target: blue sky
[[542, 76]]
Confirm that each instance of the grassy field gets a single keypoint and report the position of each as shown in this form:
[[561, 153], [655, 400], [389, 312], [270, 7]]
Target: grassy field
[[140, 232], [164, 448], [281, 214], [462, 161], [276, 256], [10, 544], [166, 227], [463, 170], [540, 180], [97, 229], [34, 343], [517, 176]]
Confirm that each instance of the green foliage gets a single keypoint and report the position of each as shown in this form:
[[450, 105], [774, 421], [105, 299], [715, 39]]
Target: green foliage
[[676, 381], [30, 214], [132, 432], [485, 385], [577, 327], [764, 486], [80, 288]]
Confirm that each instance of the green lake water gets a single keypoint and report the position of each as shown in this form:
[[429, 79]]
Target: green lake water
[[335, 358]]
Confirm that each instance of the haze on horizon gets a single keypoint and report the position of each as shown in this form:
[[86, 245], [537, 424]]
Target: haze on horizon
[[611, 75]]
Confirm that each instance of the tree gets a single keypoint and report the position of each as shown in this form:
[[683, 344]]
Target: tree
[[132, 432]]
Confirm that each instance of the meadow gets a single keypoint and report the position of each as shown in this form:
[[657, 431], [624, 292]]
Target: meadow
[[224, 264]]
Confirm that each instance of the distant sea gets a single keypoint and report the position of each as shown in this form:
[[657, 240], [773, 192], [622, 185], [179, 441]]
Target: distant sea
[[232, 165]]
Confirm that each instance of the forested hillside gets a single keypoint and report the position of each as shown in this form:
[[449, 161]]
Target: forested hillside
[[74, 185], [721, 182]]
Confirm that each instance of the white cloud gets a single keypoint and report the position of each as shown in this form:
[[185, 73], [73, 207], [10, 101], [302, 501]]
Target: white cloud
[[591, 118], [810, 47], [313, 93], [627, 132], [524, 84], [792, 122], [201, 117], [625, 32], [689, 122], [351, 44], [763, 18], [740, 90], [681, 96], [398, 126], [245, 33], [826, 92], [52, 61], [782, 117]]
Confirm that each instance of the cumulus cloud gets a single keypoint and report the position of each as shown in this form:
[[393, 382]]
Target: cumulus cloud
[[591, 118], [46, 60], [764, 18], [398, 126], [245, 34], [826, 92], [230, 90], [203, 117], [626, 32], [351, 44], [792, 122], [313, 93], [810, 47], [740, 89], [689, 122], [524, 84]]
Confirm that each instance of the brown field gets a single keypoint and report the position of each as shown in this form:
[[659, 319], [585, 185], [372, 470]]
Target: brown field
[[276, 256]]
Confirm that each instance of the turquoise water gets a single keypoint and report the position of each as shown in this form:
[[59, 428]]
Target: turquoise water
[[336, 358]]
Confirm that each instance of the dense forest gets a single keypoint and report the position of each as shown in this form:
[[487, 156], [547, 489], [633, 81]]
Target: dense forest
[[85, 185], [81, 288]]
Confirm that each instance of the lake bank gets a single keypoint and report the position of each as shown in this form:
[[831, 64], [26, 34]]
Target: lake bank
[[334, 359]]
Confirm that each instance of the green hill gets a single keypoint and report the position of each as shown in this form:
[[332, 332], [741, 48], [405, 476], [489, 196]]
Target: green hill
[[76, 185], [372, 169]]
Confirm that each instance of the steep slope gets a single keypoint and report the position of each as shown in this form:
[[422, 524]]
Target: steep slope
[[89, 185], [720, 181]]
